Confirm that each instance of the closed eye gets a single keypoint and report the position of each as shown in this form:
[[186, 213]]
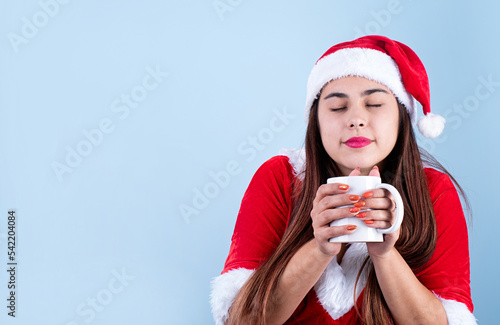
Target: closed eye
[[374, 105], [337, 109]]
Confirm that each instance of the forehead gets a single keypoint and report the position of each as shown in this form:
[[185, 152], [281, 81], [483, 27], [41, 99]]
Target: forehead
[[353, 84]]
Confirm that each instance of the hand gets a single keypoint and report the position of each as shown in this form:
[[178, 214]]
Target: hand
[[382, 215], [329, 197]]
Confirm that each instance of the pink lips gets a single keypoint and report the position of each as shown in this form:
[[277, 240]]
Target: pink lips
[[358, 142]]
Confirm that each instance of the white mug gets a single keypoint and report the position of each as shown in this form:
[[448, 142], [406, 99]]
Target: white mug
[[357, 186]]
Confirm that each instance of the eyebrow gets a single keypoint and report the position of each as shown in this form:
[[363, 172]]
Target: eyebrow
[[363, 94]]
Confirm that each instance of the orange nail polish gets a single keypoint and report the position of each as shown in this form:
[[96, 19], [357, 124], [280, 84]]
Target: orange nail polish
[[343, 187], [368, 222], [361, 215], [367, 194], [354, 210], [351, 227], [354, 197], [360, 204]]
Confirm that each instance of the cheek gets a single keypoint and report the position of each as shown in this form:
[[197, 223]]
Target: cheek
[[390, 129], [329, 130], [322, 124]]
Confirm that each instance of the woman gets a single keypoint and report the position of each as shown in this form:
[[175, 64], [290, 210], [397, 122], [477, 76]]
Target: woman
[[282, 268]]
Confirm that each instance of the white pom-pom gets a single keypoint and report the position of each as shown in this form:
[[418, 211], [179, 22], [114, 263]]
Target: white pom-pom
[[431, 125]]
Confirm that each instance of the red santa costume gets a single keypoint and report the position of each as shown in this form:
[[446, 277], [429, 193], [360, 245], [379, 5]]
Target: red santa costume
[[267, 203]]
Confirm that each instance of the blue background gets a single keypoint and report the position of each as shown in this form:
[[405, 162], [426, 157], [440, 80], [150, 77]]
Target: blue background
[[105, 241]]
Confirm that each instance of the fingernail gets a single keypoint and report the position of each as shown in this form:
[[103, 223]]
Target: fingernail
[[367, 194], [354, 197], [354, 210], [361, 215], [375, 167], [357, 168], [360, 204], [351, 227], [343, 187], [368, 222]]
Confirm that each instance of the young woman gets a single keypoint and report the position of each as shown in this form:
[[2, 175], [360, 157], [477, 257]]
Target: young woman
[[282, 268]]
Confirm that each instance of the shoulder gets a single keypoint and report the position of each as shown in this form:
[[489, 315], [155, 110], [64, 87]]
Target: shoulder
[[297, 159], [446, 202], [273, 179], [288, 164], [438, 183], [277, 163], [434, 176], [275, 167]]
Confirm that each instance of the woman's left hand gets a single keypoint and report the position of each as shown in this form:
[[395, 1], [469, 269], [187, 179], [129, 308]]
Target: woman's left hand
[[382, 215]]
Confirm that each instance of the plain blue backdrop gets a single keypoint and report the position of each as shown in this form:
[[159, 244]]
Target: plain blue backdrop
[[129, 131]]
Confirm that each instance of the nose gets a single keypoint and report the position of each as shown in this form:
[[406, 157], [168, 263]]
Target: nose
[[357, 119], [357, 123]]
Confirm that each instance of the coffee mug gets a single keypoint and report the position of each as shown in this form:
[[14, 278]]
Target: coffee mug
[[357, 186]]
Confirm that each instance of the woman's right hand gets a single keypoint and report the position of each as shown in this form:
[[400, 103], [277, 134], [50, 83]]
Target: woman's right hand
[[329, 197]]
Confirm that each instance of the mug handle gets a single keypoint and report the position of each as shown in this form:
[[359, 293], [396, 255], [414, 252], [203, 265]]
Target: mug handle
[[399, 209]]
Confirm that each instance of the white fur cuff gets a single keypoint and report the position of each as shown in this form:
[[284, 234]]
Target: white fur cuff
[[225, 287], [335, 287], [457, 312]]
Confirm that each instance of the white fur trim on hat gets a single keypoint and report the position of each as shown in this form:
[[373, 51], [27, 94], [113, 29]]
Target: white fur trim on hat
[[431, 125], [225, 287], [361, 62]]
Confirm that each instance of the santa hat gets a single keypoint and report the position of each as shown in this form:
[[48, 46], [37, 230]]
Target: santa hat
[[383, 60]]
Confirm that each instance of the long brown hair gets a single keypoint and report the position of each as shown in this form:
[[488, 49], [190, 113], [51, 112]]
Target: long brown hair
[[403, 168]]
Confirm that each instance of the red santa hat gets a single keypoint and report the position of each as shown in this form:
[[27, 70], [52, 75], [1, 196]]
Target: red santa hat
[[383, 60]]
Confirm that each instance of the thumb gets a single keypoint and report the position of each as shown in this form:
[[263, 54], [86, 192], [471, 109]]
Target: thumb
[[374, 172], [356, 172]]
